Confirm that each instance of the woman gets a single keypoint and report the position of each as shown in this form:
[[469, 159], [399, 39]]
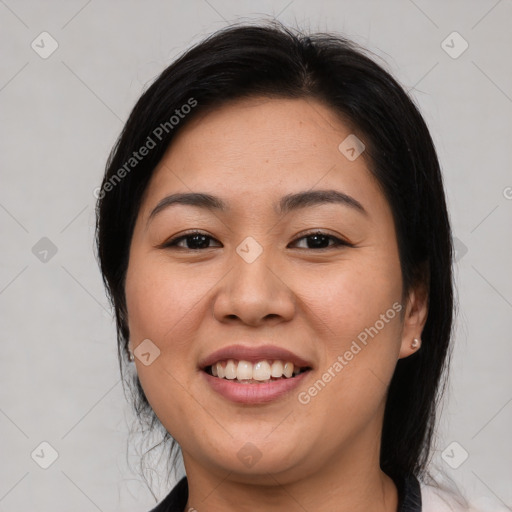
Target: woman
[[273, 233]]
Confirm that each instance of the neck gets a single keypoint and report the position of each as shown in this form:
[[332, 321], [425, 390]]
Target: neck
[[355, 484]]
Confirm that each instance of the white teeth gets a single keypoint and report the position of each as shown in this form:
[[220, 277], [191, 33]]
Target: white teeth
[[288, 370], [230, 370], [277, 369], [244, 370], [261, 371]]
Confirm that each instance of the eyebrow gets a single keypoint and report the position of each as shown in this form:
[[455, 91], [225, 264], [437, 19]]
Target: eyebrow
[[317, 197], [286, 204]]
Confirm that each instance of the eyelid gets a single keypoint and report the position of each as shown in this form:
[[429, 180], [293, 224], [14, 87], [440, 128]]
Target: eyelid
[[171, 242], [338, 241]]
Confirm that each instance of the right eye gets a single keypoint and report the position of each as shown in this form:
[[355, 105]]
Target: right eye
[[194, 241]]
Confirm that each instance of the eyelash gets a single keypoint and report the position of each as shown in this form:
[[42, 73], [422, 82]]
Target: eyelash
[[337, 241]]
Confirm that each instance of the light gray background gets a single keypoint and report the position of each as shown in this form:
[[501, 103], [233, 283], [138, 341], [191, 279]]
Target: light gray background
[[60, 117]]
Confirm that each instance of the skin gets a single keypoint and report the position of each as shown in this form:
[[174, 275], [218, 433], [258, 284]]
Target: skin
[[323, 455]]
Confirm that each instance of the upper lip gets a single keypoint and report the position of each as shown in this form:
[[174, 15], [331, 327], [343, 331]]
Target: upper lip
[[254, 354]]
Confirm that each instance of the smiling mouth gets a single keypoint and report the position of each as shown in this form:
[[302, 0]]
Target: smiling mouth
[[260, 372]]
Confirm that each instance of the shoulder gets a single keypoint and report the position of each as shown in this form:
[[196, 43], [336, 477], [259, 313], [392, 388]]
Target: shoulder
[[435, 499], [176, 500]]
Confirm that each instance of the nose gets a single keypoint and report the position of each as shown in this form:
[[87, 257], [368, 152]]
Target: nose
[[254, 294]]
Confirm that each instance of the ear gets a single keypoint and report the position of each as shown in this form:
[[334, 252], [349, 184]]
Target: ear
[[415, 316]]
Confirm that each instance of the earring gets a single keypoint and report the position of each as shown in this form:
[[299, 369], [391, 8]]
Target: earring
[[415, 343], [131, 357]]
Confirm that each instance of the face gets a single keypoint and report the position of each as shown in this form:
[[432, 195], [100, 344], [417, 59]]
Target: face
[[296, 261]]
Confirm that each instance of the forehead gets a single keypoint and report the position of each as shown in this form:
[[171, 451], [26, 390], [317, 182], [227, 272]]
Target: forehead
[[257, 149], [254, 131]]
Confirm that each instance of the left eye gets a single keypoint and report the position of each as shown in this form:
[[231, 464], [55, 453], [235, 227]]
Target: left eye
[[319, 240]]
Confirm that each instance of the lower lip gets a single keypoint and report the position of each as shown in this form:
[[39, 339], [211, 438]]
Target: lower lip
[[254, 393]]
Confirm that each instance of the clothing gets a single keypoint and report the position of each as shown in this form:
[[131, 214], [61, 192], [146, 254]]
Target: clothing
[[409, 497], [436, 500]]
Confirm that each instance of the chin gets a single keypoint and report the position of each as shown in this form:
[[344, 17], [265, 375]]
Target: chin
[[253, 461]]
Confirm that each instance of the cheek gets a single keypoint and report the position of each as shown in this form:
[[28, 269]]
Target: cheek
[[352, 297], [160, 301], [358, 311], [160, 307]]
